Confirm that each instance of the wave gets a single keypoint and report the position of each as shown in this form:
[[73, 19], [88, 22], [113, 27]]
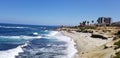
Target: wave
[[12, 52], [63, 46], [20, 37], [71, 50], [52, 33], [12, 27]]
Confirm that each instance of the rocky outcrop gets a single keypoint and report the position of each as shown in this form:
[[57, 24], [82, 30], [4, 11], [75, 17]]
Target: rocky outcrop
[[98, 36]]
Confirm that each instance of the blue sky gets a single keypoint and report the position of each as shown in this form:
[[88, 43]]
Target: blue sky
[[57, 12]]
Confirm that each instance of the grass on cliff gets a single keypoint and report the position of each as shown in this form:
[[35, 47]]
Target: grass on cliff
[[118, 33], [117, 55], [117, 44], [87, 27]]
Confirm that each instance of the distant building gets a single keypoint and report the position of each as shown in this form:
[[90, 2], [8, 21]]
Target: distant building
[[104, 21]]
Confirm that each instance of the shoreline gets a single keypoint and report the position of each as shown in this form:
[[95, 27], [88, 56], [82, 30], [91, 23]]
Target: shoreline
[[75, 45], [88, 47]]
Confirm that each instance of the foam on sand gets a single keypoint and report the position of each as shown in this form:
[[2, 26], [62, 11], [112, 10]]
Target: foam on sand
[[71, 50]]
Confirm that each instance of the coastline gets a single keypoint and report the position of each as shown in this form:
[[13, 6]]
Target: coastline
[[88, 47]]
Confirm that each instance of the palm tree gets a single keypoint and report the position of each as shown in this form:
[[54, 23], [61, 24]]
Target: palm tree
[[80, 24], [92, 21], [84, 23], [88, 22]]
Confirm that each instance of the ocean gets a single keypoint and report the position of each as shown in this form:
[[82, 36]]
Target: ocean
[[34, 41]]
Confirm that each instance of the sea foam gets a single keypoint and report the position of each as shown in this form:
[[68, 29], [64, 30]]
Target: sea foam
[[71, 49], [12, 52], [12, 27], [20, 37]]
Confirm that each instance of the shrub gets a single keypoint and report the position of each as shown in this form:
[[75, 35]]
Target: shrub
[[117, 55], [90, 27], [87, 27], [118, 44], [118, 33]]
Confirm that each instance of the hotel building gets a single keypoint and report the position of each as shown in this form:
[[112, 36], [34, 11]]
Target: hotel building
[[104, 21]]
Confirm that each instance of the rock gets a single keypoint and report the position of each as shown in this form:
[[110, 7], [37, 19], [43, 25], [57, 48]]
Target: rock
[[109, 45], [98, 36]]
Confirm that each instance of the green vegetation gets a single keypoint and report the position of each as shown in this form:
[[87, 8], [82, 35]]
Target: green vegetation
[[118, 33], [117, 55], [82, 28], [118, 44], [87, 27]]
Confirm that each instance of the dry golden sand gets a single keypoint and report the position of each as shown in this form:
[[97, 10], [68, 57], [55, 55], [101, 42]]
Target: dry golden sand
[[90, 47]]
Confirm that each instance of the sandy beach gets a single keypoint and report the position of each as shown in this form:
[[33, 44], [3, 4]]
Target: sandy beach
[[90, 47]]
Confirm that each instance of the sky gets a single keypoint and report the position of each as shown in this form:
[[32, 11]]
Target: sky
[[57, 12]]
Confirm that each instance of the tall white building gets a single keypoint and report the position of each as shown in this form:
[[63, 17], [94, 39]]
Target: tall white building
[[104, 20]]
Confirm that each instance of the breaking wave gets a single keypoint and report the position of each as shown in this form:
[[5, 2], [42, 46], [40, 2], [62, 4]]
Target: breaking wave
[[11, 53]]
